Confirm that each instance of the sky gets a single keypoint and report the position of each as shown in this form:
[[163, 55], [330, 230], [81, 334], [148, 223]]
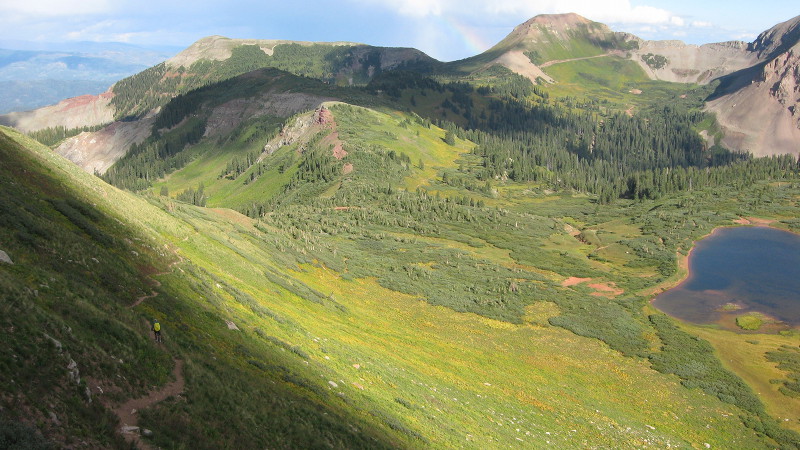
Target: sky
[[445, 29]]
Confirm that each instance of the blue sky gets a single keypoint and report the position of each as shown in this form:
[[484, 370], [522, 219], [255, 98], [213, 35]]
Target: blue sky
[[445, 29]]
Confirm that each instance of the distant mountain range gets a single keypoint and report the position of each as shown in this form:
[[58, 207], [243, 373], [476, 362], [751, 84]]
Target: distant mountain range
[[34, 75]]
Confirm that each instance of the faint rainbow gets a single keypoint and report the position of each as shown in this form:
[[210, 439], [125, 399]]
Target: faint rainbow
[[471, 39]]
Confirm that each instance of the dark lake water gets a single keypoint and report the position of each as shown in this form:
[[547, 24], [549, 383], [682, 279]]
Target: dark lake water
[[757, 268]]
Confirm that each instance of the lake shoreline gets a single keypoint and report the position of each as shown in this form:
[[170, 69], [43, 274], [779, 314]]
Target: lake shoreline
[[683, 260], [686, 274]]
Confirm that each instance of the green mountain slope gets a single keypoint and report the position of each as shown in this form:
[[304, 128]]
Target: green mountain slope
[[216, 59], [552, 37], [83, 252], [319, 318]]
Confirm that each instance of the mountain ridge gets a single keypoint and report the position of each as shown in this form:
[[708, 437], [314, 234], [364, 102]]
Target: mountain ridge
[[528, 50]]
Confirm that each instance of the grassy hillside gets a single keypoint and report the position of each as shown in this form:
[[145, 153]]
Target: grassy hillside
[[374, 279], [83, 252], [320, 316]]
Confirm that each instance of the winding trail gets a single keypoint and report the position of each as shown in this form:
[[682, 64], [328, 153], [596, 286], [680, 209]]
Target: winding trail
[[128, 411], [559, 61], [157, 283]]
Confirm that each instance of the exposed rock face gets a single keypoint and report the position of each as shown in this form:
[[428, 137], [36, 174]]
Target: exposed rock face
[[5, 258], [517, 62], [783, 73], [229, 115], [302, 128], [777, 40], [763, 117], [76, 112], [97, 151], [759, 107], [684, 63]]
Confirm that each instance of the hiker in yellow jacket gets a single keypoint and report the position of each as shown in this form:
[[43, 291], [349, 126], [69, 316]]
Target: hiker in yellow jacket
[[157, 330]]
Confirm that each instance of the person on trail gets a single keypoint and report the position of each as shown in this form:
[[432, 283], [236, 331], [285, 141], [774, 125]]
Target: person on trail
[[157, 330]]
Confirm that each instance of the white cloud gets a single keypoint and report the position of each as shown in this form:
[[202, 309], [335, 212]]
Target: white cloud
[[702, 24], [414, 8], [746, 37], [608, 11], [52, 8]]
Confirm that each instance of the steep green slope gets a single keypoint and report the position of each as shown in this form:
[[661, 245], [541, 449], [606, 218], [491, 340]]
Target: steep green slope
[[376, 224], [83, 252], [358, 310]]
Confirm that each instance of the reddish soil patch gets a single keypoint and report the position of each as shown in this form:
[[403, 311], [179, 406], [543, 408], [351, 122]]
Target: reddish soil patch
[[606, 290], [325, 117], [572, 281], [83, 100], [338, 151], [609, 290], [77, 102]]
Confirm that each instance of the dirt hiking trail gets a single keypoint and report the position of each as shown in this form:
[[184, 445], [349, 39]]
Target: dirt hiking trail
[[128, 412], [156, 283]]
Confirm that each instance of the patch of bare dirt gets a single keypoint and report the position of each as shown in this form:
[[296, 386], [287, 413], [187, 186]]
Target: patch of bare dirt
[[687, 63], [517, 62], [609, 290], [753, 221], [572, 281]]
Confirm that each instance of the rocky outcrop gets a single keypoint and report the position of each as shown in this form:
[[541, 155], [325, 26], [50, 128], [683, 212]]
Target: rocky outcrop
[[302, 128], [96, 151], [229, 115], [760, 111], [783, 76], [759, 107], [777, 40], [4, 258], [683, 63]]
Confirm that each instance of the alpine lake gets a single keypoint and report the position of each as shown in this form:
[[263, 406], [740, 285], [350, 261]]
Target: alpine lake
[[742, 279]]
